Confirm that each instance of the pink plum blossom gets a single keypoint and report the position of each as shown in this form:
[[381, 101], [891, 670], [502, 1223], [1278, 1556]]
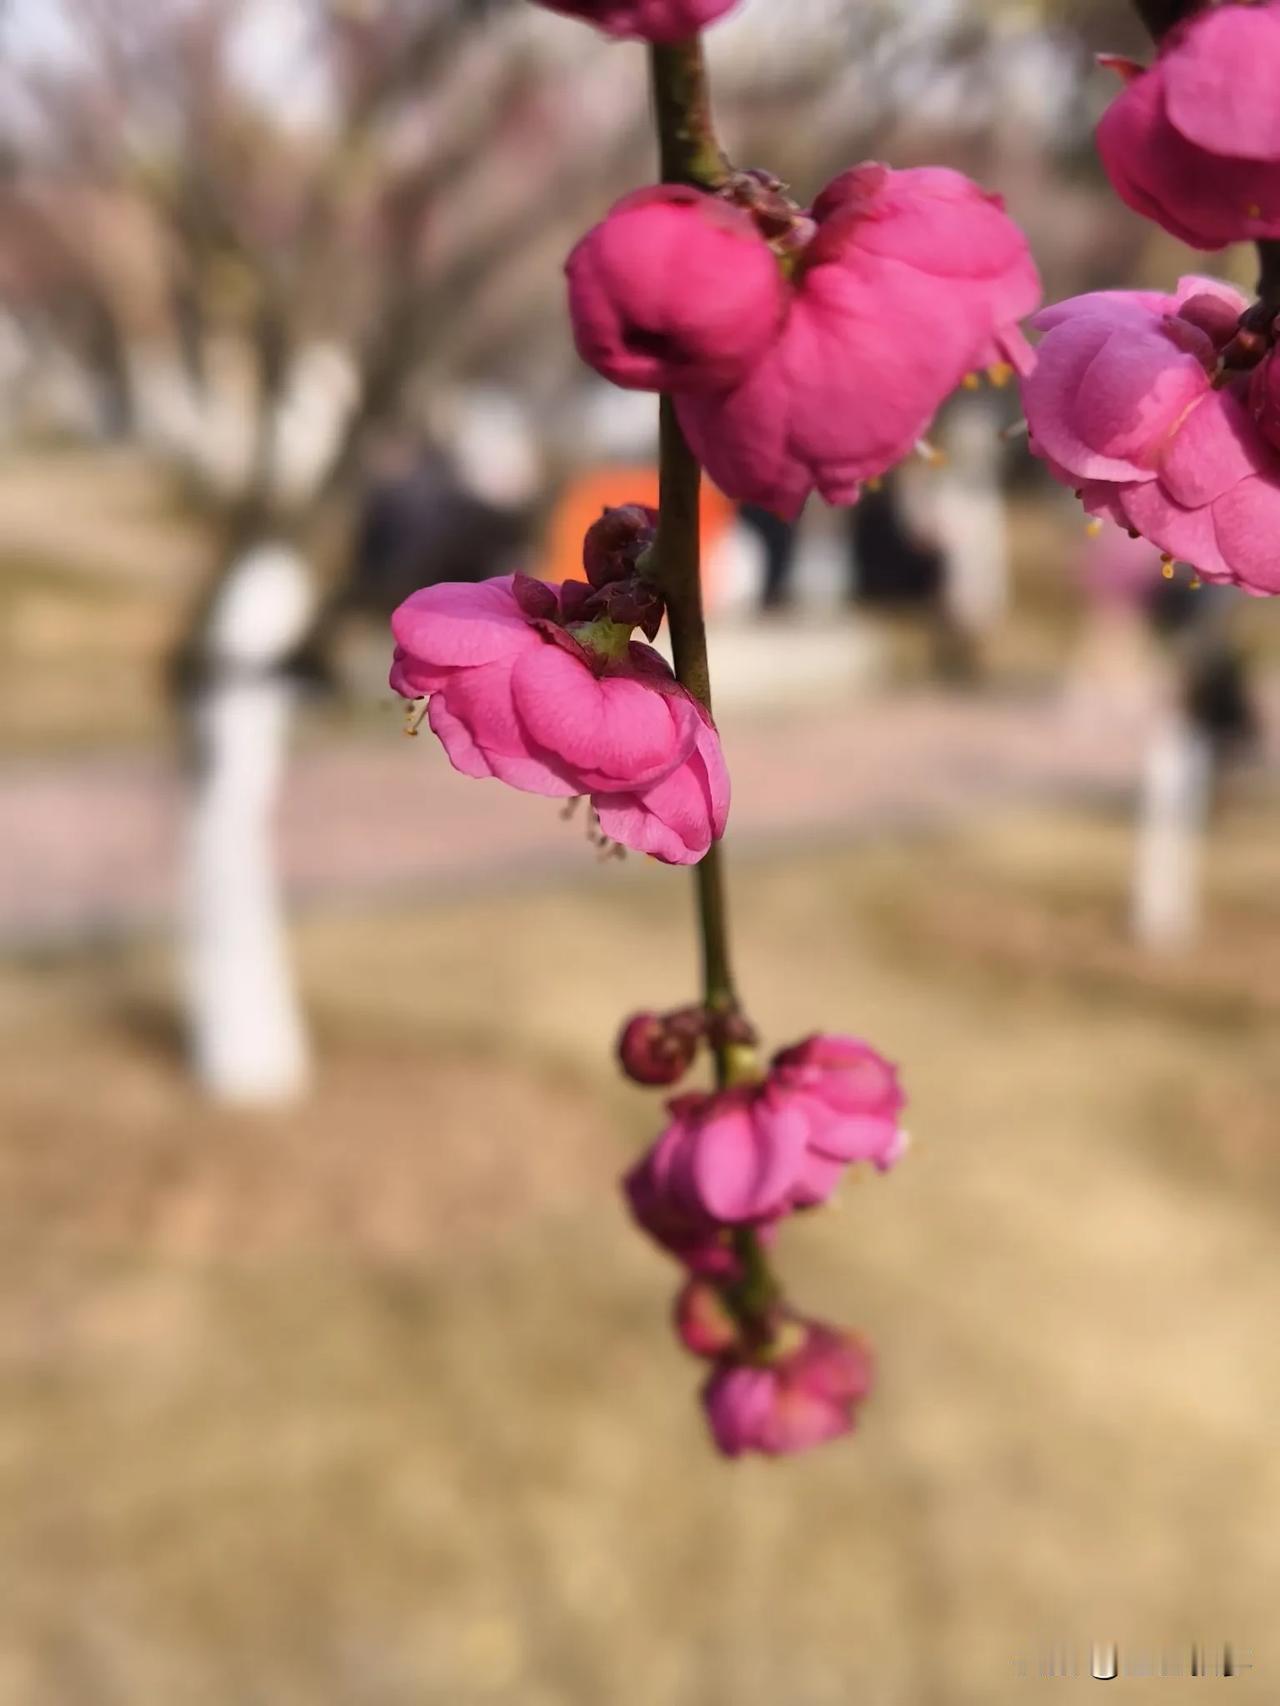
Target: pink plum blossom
[[562, 710], [803, 1397], [910, 281], [1123, 406], [674, 290], [1193, 142], [674, 1220], [851, 1099], [754, 1152], [648, 20]]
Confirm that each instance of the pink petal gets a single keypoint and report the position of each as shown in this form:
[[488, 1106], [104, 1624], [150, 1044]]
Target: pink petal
[[458, 624], [1136, 389], [1247, 522], [1049, 397], [455, 738], [744, 1159], [1215, 447], [481, 700], [1220, 82], [1187, 534], [676, 819], [614, 731]]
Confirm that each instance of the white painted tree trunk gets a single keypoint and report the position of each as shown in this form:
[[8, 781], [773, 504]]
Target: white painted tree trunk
[[1176, 783], [248, 1039], [970, 522]]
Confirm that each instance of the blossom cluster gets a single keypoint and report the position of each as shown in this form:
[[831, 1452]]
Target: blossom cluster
[[1161, 411], [728, 1168], [808, 350]]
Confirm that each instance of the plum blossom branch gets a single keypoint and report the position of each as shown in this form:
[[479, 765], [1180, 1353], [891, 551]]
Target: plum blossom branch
[[690, 154]]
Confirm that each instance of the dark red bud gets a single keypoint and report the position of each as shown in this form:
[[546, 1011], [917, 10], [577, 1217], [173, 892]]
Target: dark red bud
[[535, 598], [653, 1053], [615, 543]]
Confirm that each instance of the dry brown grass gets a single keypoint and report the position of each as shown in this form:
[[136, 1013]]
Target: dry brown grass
[[374, 1402]]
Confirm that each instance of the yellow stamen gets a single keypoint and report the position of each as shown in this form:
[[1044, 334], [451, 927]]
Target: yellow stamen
[[1166, 567], [1000, 373], [971, 382], [413, 715], [1195, 583], [1093, 527], [875, 484], [930, 452]]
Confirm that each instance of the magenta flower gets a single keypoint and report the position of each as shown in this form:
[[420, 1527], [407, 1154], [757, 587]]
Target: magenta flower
[[648, 20], [912, 280], [752, 1153], [674, 290], [802, 1398], [1194, 142], [1122, 406], [558, 708], [727, 1158], [673, 1219], [850, 1098]]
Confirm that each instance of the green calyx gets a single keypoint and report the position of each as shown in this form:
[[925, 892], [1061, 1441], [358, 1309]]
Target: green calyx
[[605, 638]]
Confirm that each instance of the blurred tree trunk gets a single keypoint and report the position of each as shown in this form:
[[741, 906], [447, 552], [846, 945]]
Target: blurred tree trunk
[[247, 1035]]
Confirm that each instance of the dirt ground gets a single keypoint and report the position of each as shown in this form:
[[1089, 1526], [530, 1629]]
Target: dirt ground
[[375, 1403]]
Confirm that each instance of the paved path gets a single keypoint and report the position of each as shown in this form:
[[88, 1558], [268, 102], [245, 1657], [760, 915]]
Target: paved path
[[91, 846]]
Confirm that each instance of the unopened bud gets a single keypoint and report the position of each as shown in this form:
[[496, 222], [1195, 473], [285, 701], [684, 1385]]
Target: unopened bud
[[615, 543], [704, 1321], [653, 1052]]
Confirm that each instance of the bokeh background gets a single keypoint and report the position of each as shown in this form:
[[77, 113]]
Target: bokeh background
[[330, 1371]]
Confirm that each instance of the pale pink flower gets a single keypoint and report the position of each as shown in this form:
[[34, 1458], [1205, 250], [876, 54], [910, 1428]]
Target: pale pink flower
[[674, 290], [802, 1398], [911, 280], [1194, 141], [1122, 406], [515, 693], [647, 20]]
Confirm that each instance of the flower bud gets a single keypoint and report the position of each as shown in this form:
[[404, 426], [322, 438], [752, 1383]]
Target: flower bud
[[674, 290], [614, 545], [704, 1321], [651, 1052]]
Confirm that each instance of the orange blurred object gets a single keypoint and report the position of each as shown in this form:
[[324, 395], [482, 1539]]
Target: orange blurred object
[[583, 499]]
